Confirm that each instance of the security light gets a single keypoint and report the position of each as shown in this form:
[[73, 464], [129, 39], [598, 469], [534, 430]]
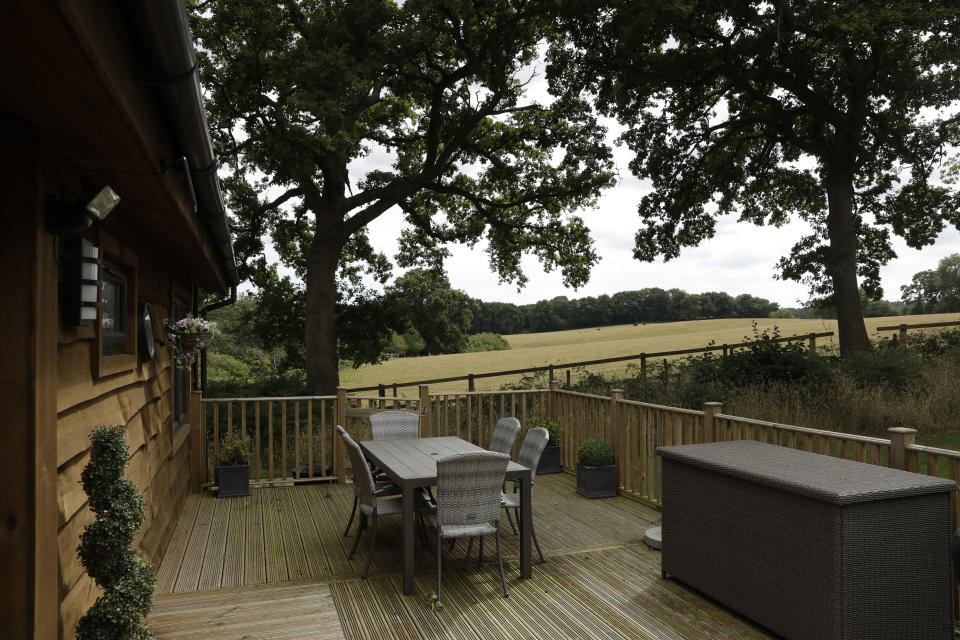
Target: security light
[[103, 203]]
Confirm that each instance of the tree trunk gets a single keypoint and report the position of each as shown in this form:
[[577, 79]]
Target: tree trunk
[[321, 331], [842, 267]]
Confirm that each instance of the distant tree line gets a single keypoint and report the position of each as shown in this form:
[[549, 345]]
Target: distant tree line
[[625, 307]]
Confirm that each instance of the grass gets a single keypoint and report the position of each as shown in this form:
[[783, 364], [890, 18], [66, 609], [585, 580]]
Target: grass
[[541, 349]]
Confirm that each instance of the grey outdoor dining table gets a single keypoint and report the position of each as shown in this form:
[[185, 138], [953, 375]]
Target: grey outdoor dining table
[[412, 464]]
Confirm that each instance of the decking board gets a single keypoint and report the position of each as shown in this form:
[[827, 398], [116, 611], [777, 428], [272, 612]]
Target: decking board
[[284, 548]]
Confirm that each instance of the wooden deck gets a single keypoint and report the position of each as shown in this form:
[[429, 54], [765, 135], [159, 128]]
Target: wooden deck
[[274, 566]]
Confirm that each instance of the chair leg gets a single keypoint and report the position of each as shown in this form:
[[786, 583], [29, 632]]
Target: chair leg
[[480, 558], [503, 579], [466, 560], [353, 512], [373, 544], [510, 520], [439, 563], [356, 541]]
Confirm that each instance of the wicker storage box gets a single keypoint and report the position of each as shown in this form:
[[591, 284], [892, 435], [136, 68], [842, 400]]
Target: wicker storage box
[[807, 545]]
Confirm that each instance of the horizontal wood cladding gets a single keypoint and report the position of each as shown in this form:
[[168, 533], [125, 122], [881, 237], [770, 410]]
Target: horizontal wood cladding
[[141, 400]]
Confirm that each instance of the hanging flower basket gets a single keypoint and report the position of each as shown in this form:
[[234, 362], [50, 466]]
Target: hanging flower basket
[[187, 337]]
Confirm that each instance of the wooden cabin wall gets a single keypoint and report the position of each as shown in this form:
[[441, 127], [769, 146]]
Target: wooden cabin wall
[[141, 400]]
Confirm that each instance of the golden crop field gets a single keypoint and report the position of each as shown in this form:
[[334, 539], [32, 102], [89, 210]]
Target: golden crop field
[[555, 347]]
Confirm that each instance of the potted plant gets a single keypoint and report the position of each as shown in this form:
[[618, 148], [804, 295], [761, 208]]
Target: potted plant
[[233, 472], [188, 336], [596, 471], [550, 460]]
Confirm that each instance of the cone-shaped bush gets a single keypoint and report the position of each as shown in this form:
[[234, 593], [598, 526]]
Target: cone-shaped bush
[[105, 546]]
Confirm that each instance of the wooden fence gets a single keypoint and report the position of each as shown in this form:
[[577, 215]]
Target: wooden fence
[[551, 369], [902, 328], [293, 438]]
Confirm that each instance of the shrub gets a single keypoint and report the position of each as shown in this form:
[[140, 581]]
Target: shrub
[[893, 368], [235, 450], [552, 427], [126, 578], [486, 342], [595, 452]]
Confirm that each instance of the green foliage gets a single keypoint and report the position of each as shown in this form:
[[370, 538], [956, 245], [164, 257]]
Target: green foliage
[[300, 90], [423, 301], [891, 368], [552, 427], [835, 113], [937, 290], [486, 342], [433, 601], [235, 450], [105, 548], [595, 452], [783, 314]]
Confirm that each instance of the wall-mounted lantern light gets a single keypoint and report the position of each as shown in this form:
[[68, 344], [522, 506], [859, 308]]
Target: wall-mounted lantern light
[[80, 289]]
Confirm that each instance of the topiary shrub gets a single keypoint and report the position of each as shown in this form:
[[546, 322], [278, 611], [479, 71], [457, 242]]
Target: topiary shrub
[[552, 427], [595, 452], [105, 548]]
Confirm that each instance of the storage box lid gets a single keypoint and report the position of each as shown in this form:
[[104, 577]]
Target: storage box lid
[[810, 474]]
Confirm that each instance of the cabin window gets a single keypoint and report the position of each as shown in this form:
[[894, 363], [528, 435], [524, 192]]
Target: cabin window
[[180, 310], [113, 316]]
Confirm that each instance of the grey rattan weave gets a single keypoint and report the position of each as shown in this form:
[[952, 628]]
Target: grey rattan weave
[[381, 489], [370, 506], [529, 457], [504, 435], [468, 502], [394, 425], [810, 546]]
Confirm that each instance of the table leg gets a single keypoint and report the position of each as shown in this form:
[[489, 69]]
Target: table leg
[[408, 521], [526, 526]]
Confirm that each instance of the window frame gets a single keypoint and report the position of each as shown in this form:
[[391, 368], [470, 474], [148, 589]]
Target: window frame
[[121, 259]]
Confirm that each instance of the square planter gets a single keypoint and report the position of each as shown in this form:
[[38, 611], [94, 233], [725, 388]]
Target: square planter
[[550, 460], [233, 481], [596, 482]]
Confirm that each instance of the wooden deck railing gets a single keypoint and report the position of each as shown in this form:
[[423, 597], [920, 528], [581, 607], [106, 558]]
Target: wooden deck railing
[[293, 438]]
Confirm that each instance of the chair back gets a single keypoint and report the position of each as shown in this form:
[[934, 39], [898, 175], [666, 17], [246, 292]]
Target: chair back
[[532, 448], [469, 486], [395, 425], [504, 435], [362, 478]]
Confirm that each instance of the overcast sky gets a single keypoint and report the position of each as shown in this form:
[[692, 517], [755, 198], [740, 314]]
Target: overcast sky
[[741, 258]]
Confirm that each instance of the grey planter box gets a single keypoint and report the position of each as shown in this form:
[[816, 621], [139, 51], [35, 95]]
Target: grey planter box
[[596, 482], [551, 460], [809, 546], [233, 481]]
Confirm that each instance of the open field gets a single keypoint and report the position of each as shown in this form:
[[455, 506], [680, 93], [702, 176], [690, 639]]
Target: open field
[[538, 349]]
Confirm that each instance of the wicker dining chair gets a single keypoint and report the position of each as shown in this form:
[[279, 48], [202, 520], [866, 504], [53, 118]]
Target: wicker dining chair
[[381, 489], [468, 503], [504, 435], [395, 425], [370, 506], [529, 457]]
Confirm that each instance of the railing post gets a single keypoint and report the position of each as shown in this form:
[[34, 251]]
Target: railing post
[[382, 392], [338, 469], [426, 430], [553, 400], [812, 342], [568, 379], [903, 333], [550, 373], [470, 383], [710, 424], [616, 396], [900, 437], [198, 443], [643, 366]]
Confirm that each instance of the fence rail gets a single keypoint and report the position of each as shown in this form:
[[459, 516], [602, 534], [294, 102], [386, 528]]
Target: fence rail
[[902, 328], [550, 369]]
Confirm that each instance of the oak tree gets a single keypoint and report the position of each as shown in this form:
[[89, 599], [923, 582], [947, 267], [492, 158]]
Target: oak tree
[[836, 112], [299, 91]]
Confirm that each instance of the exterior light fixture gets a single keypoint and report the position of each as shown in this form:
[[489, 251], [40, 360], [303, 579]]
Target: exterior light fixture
[[103, 203], [80, 287]]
